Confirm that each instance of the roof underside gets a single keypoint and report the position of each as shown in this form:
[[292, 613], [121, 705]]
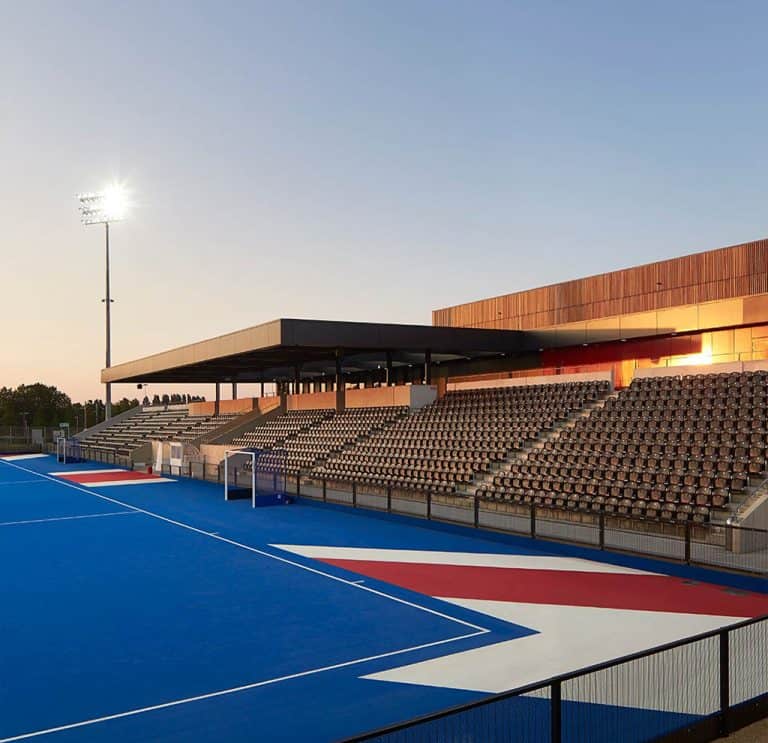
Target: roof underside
[[273, 351]]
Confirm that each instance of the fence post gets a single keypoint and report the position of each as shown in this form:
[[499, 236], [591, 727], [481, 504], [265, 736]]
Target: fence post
[[325, 495], [298, 485], [533, 520], [556, 719], [477, 511], [429, 505], [354, 494], [601, 522], [725, 682], [218, 472], [189, 467], [687, 542], [389, 499]]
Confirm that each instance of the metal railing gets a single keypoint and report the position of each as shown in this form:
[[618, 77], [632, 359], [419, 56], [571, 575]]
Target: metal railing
[[727, 546], [699, 688]]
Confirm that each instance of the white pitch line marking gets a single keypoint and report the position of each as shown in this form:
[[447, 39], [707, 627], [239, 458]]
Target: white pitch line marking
[[65, 473], [189, 527], [67, 518], [237, 689]]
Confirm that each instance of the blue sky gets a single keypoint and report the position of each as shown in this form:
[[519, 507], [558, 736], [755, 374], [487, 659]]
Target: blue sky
[[357, 160]]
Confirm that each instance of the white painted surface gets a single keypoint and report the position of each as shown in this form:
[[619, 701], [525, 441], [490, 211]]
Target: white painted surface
[[20, 457], [572, 637], [111, 483], [474, 559]]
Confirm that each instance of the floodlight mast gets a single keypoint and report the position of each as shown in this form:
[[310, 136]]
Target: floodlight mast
[[102, 208]]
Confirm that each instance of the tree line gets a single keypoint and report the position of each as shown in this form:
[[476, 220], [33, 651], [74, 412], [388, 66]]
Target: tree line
[[36, 405]]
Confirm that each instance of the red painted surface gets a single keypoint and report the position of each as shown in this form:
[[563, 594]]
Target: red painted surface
[[560, 587], [97, 476]]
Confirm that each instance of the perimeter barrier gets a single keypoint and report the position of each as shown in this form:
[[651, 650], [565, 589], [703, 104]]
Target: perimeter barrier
[[697, 689], [728, 546]]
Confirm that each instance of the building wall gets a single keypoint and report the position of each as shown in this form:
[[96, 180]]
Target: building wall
[[636, 295], [700, 309], [413, 396]]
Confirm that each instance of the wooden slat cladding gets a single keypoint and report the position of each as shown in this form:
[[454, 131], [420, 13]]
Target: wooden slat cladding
[[726, 273]]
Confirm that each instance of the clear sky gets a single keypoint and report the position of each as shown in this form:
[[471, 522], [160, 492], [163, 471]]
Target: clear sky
[[357, 160]]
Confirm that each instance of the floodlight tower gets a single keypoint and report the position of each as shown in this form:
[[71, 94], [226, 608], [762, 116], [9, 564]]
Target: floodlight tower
[[103, 207]]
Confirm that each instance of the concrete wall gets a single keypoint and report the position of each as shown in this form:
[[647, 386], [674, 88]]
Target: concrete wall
[[755, 516], [311, 401], [525, 381], [413, 396], [266, 409], [420, 395], [214, 453], [242, 405]]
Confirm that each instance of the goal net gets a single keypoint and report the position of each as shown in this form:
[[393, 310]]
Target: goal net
[[68, 451], [256, 474]]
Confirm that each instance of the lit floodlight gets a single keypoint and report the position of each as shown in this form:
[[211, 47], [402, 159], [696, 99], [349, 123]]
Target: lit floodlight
[[109, 205]]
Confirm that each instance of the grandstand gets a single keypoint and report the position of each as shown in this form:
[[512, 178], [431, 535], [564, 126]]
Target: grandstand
[[446, 445], [644, 402], [143, 425], [674, 448], [325, 434], [282, 429]]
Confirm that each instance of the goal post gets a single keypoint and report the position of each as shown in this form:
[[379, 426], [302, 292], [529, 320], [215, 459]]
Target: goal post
[[256, 474], [240, 474], [68, 451]]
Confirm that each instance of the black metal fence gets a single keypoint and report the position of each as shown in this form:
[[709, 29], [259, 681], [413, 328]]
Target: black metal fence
[[699, 688], [723, 546]]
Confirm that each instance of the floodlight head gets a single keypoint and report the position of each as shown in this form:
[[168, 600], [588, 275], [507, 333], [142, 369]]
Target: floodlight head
[[110, 205]]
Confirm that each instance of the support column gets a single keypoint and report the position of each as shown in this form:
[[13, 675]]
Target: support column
[[262, 390], [217, 404], [341, 396], [442, 386], [234, 390], [427, 367], [390, 381]]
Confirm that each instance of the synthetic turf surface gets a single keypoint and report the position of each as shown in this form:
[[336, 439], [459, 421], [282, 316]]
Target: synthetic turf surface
[[155, 620]]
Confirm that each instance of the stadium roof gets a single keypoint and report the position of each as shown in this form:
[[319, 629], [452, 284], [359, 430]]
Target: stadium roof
[[273, 351]]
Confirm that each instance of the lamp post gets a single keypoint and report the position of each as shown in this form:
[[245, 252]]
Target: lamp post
[[103, 207]]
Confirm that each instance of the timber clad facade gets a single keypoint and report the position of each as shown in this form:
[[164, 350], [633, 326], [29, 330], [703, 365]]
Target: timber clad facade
[[728, 273]]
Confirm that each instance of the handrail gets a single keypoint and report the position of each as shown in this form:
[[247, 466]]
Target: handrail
[[549, 682]]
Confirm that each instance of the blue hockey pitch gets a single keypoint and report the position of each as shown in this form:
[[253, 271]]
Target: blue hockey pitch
[[161, 612]]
